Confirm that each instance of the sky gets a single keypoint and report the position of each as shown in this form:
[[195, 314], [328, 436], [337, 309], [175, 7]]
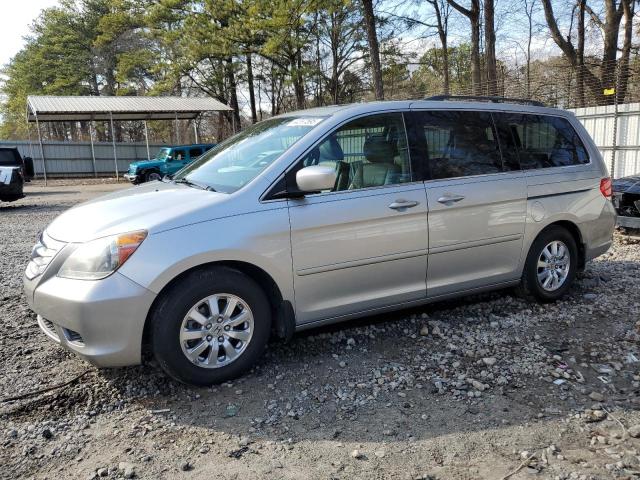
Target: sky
[[16, 18]]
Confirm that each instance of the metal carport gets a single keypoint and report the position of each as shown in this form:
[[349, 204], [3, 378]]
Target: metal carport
[[91, 108]]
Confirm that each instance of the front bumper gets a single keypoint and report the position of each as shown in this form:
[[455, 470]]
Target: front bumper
[[131, 177], [102, 321]]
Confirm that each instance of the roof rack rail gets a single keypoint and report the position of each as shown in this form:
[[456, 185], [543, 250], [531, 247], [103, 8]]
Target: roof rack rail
[[480, 98]]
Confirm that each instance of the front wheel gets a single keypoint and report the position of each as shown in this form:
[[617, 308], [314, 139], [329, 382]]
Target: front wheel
[[151, 176], [211, 326], [551, 265]]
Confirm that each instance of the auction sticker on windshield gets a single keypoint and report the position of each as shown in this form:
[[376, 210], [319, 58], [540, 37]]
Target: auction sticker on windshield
[[305, 122]]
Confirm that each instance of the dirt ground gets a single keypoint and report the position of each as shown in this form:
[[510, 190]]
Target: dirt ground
[[485, 387]]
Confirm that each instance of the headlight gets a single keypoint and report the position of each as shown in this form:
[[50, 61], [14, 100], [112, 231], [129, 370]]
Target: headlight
[[100, 258]]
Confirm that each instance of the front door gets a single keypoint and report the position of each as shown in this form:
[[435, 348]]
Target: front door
[[477, 205], [362, 245]]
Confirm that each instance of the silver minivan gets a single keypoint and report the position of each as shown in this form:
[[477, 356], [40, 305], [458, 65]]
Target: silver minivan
[[319, 216]]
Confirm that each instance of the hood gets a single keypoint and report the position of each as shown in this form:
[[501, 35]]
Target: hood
[[154, 206], [145, 164], [627, 185]]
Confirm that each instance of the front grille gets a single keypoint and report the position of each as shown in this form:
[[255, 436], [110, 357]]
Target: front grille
[[41, 255]]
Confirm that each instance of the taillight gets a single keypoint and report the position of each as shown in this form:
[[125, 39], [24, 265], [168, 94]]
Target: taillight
[[605, 187]]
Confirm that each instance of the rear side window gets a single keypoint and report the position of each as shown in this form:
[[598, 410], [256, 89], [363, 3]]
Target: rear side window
[[195, 153], [540, 141], [457, 144], [8, 159]]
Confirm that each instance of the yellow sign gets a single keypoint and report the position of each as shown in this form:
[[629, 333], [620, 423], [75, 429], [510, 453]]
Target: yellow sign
[[609, 91]]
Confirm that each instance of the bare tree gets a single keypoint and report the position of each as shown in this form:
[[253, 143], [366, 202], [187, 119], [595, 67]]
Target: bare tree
[[441, 11], [473, 14], [610, 28], [490, 47], [529, 9], [374, 50], [582, 4]]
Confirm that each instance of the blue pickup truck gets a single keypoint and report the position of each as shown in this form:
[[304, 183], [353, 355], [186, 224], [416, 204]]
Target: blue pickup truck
[[167, 162]]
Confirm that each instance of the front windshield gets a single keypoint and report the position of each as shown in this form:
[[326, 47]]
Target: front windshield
[[163, 154], [238, 160]]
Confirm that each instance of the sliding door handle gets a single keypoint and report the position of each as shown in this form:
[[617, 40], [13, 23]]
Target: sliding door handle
[[449, 198], [402, 204]]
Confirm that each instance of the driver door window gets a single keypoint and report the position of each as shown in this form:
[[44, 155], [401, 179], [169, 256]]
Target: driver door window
[[367, 152]]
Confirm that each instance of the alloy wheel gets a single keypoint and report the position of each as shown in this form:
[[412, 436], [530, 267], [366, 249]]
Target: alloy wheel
[[553, 266], [216, 330]]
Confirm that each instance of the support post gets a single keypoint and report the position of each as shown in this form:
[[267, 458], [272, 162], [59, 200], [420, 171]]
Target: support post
[[44, 164], [614, 145], [146, 139], [177, 130], [113, 141], [195, 130], [93, 152]]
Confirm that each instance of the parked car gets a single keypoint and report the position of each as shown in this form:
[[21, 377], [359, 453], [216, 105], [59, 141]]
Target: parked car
[[319, 216], [167, 162], [14, 172], [626, 200]]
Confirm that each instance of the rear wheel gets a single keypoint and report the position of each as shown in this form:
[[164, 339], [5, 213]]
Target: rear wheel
[[211, 326], [551, 265]]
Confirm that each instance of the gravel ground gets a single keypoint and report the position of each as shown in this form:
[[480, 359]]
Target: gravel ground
[[475, 388]]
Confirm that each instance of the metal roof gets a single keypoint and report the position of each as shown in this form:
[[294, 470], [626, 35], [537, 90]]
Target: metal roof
[[54, 108]]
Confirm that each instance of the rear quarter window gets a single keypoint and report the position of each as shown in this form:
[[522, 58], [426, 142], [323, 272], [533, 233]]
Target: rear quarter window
[[541, 141]]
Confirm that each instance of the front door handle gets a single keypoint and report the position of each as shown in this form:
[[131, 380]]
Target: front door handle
[[449, 198], [403, 204]]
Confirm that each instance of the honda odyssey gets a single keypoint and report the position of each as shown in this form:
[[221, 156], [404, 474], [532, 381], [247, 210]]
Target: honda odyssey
[[319, 216]]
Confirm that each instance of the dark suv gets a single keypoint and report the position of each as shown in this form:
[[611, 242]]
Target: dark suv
[[14, 171]]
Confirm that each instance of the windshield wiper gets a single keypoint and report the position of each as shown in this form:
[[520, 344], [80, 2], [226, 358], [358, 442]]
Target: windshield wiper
[[194, 184]]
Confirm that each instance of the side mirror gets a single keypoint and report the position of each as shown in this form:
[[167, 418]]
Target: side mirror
[[29, 171], [316, 178]]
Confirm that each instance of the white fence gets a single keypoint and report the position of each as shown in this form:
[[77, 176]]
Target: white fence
[[66, 159], [603, 122]]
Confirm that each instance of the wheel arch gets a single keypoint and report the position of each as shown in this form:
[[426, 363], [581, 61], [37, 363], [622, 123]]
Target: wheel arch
[[283, 317], [575, 232]]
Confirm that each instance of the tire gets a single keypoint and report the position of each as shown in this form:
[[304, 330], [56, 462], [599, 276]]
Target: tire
[[536, 284], [174, 316], [151, 176]]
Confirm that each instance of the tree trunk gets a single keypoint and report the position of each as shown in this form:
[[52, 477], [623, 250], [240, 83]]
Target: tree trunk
[[374, 50], [623, 69], [580, 55], [490, 48], [473, 14], [442, 25], [529, 7], [299, 82], [252, 95], [233, 95]]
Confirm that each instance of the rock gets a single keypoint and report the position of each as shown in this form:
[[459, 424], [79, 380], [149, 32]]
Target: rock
[[596, 396], [424, 331], [379, 453], [46, 433], [126, 469], [590, 296], [489, 361], [634, 431], [595, 415], [477, 385], [343, 364], [357, 454], [185, 466], [102, 472]]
